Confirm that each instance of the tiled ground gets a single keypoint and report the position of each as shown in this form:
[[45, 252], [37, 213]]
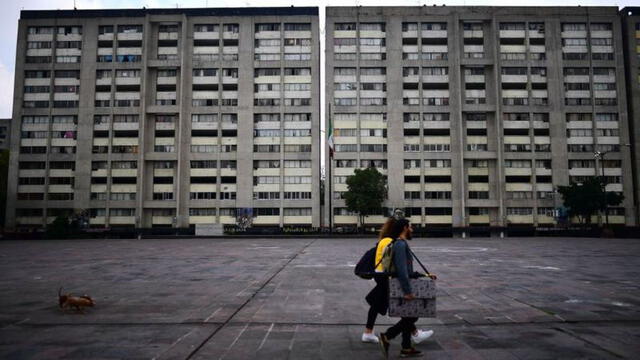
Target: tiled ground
[[529, 298]]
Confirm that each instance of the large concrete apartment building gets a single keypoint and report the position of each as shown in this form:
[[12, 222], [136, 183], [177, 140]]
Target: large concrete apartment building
[[167, 117], [631, 37], [476, 114], [177, 117], [5, 133]]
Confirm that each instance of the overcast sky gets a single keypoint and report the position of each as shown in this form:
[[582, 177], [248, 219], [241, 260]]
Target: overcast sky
[[11, 13]]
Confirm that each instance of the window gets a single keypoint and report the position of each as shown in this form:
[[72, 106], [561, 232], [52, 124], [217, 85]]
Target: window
[[512, 26], [204, 164], [483, 195], [381, 164], [297, 211], [266, 148], [574, 27], [474, 211], [434, 26], [266, 195], [344, 26], [265, 117], [67, 30], [297, 27], [373, 71], [606, 117], [437, 195], [37, 74], [122, 212], [105, 29], [437, 147], [372, 27], [267, 27], [297, 71], [297, 195], [297, 117], [69, 44], [38, 44], [343, 71], [202, 196], [230, 72], [348, 163], [202, 212], [437, 211], [232, 28], [70, 74], [519, 211], [32, 30], [129, 29], [601, 26], [435, 117]]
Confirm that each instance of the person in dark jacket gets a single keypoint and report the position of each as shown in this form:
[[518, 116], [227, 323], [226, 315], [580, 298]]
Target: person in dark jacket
[[403, 263]]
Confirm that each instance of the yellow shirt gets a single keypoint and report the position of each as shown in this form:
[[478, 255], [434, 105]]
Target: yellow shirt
[[382, 244]]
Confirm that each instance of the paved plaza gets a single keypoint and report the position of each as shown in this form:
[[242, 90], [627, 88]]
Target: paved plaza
[[514, 298]]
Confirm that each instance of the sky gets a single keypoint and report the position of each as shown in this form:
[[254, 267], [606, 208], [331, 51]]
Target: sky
[[11, 13]]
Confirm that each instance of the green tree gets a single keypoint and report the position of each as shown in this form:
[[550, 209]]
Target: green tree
[[59, 227], [367, 190], [587, 198]]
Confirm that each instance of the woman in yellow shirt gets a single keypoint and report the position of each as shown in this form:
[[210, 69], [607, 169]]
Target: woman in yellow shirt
[[378, 297]]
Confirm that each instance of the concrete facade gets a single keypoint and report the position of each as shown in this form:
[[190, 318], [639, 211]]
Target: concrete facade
[[5, 133], [159, 117], [476, 114], [631, 35]]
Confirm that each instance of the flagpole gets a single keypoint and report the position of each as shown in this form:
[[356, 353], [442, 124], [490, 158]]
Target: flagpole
[[329, 190]]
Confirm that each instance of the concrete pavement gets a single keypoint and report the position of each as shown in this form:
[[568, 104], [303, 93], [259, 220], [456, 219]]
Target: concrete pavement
[[515, 298]]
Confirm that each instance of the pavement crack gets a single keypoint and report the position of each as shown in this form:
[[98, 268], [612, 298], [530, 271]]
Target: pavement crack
[[578, 337], [546, 311], [253, 295]]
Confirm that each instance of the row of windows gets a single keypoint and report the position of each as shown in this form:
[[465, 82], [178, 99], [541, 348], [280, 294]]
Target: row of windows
[[351, 71], [257, 180], [59, 44], [48, 59], [287, 195], [277, 132], [436, 26], [286, 42], [297, 71], [480, 195], [60, 30], [257, 88], [129, 212], [363, 101], [232, 118]]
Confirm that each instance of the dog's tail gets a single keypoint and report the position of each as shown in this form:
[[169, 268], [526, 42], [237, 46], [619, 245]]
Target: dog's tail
[[60, 291]]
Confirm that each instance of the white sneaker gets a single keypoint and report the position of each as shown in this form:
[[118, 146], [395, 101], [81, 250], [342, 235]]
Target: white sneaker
[[370, 338], [421, 336]]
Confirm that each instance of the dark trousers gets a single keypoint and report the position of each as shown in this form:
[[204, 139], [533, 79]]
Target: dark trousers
[[371, 317], [405, 326], [377, 299]]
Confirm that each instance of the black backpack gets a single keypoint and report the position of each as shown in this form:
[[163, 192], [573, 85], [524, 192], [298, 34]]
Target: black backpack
[[366, 267]]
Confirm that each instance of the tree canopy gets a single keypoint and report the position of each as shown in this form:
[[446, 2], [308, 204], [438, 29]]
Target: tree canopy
[[587, 198], [366, 191]]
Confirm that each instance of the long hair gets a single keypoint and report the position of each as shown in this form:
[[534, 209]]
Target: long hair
[[398, 228], [385, 230]]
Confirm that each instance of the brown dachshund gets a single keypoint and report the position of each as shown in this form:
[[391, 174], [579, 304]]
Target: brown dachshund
[[78, 302]]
